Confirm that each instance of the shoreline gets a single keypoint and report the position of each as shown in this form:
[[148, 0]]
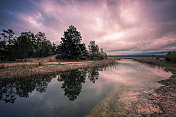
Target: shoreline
[[15, 70]]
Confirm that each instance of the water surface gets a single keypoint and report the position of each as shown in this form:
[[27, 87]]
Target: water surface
[[118, 89]]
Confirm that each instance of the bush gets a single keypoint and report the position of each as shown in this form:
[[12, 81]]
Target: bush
[[100, 56], [97, 56], [171, 56]]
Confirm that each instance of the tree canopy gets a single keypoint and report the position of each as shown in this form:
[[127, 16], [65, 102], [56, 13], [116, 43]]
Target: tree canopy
[[24, 46], [70, 45], [28, 44], [94, 52]]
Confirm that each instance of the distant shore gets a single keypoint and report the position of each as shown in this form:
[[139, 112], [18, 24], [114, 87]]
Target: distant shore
[[28, 69]]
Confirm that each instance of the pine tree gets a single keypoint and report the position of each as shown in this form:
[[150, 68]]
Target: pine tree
[[70, 48]]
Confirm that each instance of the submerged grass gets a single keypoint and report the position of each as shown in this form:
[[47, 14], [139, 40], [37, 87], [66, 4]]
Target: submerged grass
[[135, 101], [165, 96], [125, 101]]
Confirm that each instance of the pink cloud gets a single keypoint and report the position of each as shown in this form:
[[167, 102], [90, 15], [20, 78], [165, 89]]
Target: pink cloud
[[120, 27]]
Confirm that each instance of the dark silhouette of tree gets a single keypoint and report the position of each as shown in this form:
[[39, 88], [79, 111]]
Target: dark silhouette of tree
[[54, 49], [24, 44], [43, 45], [70, 45], [29, 44], [84, 52], [93, 48], [94, 53], [103, 53], [3, 51], [7, 44]]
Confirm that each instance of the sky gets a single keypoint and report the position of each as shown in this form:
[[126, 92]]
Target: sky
[[120, 27]]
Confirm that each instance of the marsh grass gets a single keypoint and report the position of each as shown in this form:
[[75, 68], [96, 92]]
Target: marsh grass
[[17, 70], [14, 70], [20, 66]]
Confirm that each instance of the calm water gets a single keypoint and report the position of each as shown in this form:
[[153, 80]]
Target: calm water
[[76, 93]]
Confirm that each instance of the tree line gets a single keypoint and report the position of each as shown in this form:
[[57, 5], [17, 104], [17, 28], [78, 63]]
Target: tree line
[[26, 45], [29, 44]]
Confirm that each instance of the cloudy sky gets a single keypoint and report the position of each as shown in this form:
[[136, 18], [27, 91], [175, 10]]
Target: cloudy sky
[[118, 26]]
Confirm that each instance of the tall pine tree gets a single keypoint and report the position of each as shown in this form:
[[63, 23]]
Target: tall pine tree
[[70, 48]]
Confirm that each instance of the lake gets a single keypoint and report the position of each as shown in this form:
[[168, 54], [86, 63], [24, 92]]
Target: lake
[[121, 89]]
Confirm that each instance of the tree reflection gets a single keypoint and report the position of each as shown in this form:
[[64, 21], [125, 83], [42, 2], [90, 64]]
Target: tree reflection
[[72, 83], [73, 80], [93, 74], [10, 89]]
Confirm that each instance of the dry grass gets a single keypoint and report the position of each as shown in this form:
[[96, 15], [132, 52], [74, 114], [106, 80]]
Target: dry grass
[[25, 69], [150, 60], [44, 59]]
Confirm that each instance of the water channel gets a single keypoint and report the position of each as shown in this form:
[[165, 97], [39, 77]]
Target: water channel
[[119, 89]]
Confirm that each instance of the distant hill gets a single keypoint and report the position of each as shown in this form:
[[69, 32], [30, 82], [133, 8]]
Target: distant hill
[[148, 54]]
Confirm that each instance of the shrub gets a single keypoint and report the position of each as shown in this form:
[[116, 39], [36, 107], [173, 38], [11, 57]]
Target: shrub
[[171, 56]]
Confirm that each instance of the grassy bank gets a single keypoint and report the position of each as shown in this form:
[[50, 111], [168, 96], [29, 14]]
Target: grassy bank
[[26, 69], [165, 96]]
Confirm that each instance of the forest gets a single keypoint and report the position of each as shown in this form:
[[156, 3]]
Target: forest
[[30, 45]]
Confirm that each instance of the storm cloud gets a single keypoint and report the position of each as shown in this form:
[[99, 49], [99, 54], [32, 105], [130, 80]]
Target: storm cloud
[[118, 26]]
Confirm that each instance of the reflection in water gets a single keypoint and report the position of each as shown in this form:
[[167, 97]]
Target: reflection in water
[[93, 74], [115, 90], [10, 89], [73, 80], [72, 83], [135, 96]]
